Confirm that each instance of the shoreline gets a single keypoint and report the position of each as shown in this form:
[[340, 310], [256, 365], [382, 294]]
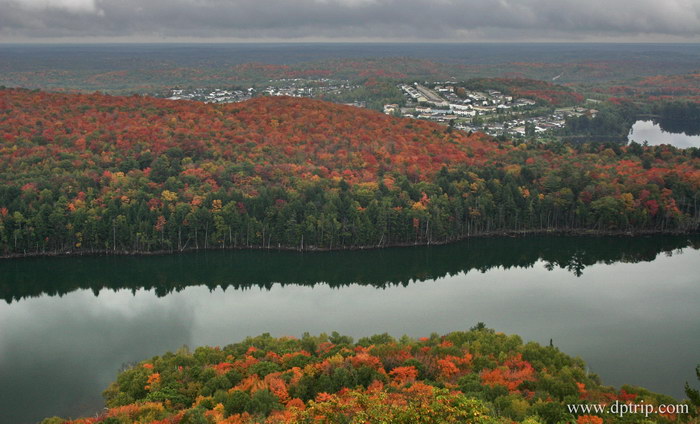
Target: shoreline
[[313, 249]]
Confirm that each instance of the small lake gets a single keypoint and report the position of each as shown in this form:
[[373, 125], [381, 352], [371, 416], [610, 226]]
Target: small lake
[[650, 131], [627, 306]]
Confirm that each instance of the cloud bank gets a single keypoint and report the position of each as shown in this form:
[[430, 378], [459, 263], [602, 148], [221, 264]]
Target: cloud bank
[[391, 20]]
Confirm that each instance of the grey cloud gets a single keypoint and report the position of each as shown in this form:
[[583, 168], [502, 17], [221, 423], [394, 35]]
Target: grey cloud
[[459, 20]]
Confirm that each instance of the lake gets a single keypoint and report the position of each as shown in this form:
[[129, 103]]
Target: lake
[[627, 306], [650, 131]]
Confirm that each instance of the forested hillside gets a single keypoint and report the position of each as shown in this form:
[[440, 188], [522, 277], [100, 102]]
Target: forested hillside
[[91, 172], [473, 377]]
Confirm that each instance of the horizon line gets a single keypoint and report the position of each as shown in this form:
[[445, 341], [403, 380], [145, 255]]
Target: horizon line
[[340, 41]]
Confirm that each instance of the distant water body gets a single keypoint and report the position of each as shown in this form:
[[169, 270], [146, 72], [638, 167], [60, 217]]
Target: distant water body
[[653, 134]]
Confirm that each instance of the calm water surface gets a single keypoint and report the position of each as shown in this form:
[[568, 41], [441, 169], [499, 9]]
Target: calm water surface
[[651, 132], [627, 306]]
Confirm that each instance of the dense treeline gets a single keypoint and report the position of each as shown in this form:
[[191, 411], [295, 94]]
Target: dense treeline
[[679, 117], [478, 376], [102, 173], [613, 120]]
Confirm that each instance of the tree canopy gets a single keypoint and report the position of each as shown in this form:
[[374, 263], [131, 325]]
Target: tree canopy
[[92, 172], [476, 376]]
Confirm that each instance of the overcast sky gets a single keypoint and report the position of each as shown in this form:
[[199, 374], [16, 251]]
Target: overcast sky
[[350, 20]]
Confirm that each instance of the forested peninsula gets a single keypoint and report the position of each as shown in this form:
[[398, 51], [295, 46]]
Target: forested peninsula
[[468, 377], [82, 173]]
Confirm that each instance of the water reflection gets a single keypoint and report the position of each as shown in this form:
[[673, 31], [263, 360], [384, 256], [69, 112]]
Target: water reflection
[[631, 312], [58, 355], [665, 132], [165, 274]]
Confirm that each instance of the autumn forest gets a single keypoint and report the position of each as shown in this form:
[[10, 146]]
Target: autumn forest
[[95, 173], [332, 379]]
